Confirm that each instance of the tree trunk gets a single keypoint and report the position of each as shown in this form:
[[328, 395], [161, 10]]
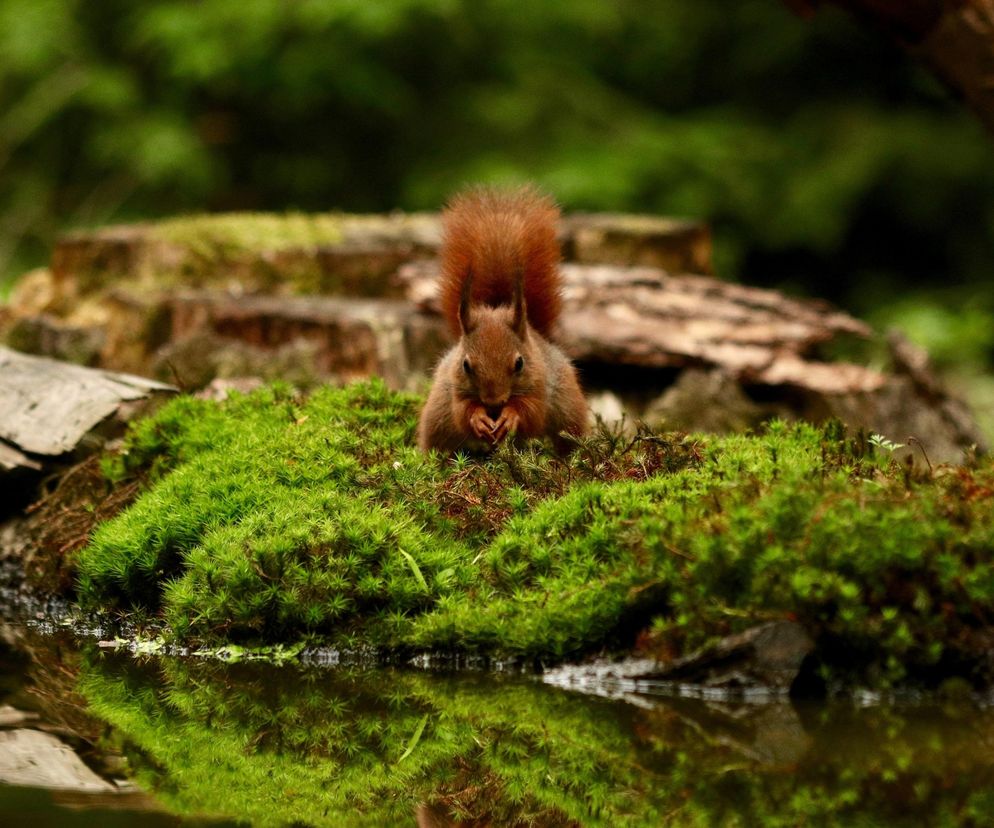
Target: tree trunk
[[955, 38]]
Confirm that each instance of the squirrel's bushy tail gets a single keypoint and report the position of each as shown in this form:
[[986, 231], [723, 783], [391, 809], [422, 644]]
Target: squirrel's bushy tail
[[495, 235]]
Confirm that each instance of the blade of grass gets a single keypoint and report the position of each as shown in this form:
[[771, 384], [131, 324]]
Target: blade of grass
[[415, 569], [415, 738]]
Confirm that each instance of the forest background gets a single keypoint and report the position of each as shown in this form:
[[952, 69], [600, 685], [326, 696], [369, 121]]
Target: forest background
[[826, 160]]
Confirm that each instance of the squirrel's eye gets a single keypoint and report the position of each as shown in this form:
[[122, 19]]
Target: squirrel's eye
[[467, 367], [519, 365]]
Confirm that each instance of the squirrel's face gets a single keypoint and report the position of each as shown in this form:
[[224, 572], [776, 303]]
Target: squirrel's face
[[495, 360]]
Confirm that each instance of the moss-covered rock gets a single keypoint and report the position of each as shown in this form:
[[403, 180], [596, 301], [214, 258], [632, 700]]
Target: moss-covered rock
[[271, 518]]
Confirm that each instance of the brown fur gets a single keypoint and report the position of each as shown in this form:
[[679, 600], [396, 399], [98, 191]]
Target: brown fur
[[493, 234], [500, 293]]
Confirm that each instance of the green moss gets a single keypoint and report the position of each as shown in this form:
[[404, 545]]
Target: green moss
[[323, 253], [273, 518], [265, 250], [234, 234]]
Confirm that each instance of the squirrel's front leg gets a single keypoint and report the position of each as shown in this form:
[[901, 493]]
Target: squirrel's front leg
[[507, 423], [477, 420], [521, 415]]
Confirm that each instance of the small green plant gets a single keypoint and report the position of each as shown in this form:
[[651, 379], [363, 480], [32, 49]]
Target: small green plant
[[881, 442]]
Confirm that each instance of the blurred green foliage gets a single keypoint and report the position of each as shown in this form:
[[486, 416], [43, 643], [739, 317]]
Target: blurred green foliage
[[825, 158]]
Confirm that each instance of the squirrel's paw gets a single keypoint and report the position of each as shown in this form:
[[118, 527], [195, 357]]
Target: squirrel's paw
[[481, 425], [507, 424]]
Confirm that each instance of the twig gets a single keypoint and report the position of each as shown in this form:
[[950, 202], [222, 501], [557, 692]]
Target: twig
[[914, 441]]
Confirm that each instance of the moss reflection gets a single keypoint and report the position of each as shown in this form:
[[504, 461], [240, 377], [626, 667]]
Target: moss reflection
[[276, 746]]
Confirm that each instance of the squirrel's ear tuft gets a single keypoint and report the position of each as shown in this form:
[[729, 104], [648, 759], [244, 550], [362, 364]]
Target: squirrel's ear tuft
[[519, 323], [465, 297]]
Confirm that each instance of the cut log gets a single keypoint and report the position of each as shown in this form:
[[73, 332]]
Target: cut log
[[646, 317], [622, 239], [327, 337], [337, 254], [192, 300], [48, 407], [45, 334]]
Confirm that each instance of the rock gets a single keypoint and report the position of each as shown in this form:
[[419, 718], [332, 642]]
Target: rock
[[764, 659], [30, 757], [770, 733], [13, 540], [608, 407], [220, 389], [702, 400], [898, 412], [768, 656], [914, 363]]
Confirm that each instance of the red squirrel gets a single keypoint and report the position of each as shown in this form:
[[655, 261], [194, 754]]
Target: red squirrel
[[500, 293]]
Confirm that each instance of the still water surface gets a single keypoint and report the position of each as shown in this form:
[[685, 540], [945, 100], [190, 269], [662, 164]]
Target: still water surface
[[170, 741]]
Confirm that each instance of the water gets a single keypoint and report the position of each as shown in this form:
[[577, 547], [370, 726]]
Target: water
[[192, 741]]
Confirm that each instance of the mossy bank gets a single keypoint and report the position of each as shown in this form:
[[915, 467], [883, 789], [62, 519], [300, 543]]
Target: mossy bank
[[272, 518]]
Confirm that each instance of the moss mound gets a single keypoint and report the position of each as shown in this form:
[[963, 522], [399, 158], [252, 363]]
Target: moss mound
[[272, 518]]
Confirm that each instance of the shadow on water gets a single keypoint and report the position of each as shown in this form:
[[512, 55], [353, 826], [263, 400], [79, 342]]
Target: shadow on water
[[203, 740]]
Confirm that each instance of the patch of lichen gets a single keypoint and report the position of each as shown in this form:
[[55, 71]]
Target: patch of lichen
[[273, 518]]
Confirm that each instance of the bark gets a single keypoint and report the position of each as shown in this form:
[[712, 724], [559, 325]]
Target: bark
[[30, 757], [13, 460], [954, 38], [48, 407], [315, 337]]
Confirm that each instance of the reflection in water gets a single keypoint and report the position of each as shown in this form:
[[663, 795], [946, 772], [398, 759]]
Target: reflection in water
[[281, 745]]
